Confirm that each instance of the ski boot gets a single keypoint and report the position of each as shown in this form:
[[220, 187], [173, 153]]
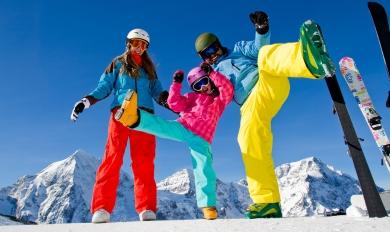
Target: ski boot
[[128, 113], [147, 215], [314, 51], [263, 210], [100, 216], [210, 213]]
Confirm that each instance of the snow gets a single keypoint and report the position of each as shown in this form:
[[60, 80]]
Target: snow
[[7, 221], [301, 224], [358, 206], [354, 211]]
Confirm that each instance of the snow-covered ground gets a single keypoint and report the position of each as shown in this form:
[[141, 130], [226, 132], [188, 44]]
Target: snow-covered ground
[[5, 221], [301, 224]]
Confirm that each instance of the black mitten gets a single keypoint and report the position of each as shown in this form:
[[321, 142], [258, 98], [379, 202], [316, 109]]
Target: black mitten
[[162, 99], [260, 20], [178, 76], [206, 67]]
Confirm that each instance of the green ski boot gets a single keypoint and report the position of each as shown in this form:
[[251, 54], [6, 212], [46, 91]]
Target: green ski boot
[[315, 54], [264, 210]]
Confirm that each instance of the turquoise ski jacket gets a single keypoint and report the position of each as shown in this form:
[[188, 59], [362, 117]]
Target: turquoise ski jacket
[[240, 65], [116, 81]]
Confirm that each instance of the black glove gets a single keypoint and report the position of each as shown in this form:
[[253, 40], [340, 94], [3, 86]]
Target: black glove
[[79, 107], [178, 76], [206, 67], [162, 99], [260, 20]]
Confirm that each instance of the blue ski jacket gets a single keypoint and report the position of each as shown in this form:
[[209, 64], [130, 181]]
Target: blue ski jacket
[[240, 65], [117, 81]]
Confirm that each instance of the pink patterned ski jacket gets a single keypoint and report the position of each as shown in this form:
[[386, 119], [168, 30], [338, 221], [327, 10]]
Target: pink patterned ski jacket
[[200, 112]]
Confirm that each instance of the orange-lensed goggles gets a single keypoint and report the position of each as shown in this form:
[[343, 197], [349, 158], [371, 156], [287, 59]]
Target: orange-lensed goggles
[[139, 43]]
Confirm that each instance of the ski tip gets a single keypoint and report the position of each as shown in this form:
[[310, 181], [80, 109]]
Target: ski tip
[[345, 59], [376, 8], [374, 5], [346, 65]]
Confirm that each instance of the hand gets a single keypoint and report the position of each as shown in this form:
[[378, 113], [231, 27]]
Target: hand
[[178, 76], [261, 21], [162, 99], [206, 67], [78, 108]]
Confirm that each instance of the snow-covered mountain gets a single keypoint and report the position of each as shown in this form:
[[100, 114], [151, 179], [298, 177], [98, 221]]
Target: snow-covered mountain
[[7, 221], [177, 197], [310, 187], [61, 192]]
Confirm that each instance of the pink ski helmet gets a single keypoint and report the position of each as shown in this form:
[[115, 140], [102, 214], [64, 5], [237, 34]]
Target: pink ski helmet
[[194, 75]]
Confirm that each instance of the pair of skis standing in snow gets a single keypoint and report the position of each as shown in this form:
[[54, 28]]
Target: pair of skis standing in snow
[[356, 85], [253, 72]]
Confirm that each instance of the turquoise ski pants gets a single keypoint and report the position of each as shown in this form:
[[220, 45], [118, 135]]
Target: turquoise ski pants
[[205, 178]]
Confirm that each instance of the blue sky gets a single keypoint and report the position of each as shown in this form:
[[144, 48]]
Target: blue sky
[[52, 53]]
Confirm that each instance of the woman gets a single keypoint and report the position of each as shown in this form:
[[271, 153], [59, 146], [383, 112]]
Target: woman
[[131, 70]]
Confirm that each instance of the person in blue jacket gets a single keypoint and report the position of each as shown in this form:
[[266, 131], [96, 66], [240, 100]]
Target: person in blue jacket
[[259, 73], [132, 70]]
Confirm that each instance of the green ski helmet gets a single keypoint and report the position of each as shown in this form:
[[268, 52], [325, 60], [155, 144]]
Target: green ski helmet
[[204, 40]]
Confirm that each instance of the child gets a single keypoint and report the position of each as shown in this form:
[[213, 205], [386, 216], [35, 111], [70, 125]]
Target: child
[[199, 113]]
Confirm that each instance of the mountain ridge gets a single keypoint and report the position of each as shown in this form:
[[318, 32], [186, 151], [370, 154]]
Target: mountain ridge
[[61, 192]]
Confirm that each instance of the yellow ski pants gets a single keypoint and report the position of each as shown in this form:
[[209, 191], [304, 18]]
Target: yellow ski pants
[[276, 63]]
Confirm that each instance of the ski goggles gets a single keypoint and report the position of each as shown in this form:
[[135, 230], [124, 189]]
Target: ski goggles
[[198, 84], [139, 43], [210, 50]]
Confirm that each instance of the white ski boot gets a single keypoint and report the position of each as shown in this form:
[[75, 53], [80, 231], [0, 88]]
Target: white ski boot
[[101, 216], [147, 215]]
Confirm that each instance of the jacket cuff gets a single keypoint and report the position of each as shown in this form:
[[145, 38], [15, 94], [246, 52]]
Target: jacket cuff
[[92, 100]]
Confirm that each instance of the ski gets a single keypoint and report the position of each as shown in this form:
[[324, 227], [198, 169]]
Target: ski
[[379, 17], [371, 196], [373, 202], [355, 83]]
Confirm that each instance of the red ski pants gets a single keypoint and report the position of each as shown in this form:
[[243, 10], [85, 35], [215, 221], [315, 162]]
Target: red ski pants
[[142, 153]]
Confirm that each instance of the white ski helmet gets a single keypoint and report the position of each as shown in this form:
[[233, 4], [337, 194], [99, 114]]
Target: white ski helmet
[[138, 34]]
